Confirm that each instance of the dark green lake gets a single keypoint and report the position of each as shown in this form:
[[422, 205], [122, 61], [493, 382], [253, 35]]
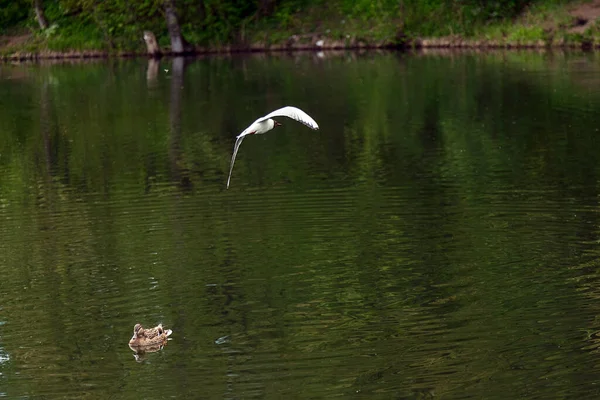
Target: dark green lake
[[438, 237]]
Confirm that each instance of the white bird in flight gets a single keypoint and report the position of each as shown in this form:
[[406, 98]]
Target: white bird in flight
[[266, 123]]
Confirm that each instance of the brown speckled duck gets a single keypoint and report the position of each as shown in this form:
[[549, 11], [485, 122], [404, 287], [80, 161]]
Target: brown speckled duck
[[149, 337]]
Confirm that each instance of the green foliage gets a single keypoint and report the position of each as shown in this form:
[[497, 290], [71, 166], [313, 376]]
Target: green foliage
[[119, 24], [13, 12], [526, 33], [540, 21], [115, 24], [367, 9], [445, 17]]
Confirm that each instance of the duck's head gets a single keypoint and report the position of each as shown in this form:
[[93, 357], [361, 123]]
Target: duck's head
[[138, 331]]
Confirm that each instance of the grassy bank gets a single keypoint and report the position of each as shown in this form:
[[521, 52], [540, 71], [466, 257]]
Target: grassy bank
[[116, 27]]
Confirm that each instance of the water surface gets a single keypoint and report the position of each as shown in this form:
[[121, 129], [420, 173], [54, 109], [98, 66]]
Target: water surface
[[438, 237]]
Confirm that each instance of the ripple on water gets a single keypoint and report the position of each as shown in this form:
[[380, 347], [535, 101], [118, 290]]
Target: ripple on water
[[442, 241]]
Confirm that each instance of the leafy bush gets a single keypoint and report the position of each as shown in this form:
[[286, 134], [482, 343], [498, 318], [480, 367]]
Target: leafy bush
[[119, 24], [526, 33], [13, 12]]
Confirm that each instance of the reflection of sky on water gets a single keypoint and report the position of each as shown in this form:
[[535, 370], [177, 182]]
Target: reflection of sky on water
[[3, 356], [3, 359]]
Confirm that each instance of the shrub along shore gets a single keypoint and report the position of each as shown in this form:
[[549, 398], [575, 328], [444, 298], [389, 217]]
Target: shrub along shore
[[83, 29]]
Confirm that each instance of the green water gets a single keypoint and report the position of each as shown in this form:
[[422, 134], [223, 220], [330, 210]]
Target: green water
[[438, 237]]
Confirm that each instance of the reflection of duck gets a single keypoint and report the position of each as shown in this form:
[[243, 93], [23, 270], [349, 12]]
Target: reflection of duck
[[139, 353], [149, 337]]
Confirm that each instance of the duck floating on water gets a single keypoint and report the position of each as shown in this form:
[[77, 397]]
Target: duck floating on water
[[146, 338]]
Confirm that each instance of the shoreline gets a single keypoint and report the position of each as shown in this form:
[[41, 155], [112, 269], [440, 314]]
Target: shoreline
[[569, 25], [447, 43]]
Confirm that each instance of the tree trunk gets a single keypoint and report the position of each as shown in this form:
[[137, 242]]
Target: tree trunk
[[201, 11], [151, 44], [177, 44], [266, 7], [39, 14]]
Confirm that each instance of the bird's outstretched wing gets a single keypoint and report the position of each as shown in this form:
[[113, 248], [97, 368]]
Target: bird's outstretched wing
[[293, 113], [238, 142], [289, 111]]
